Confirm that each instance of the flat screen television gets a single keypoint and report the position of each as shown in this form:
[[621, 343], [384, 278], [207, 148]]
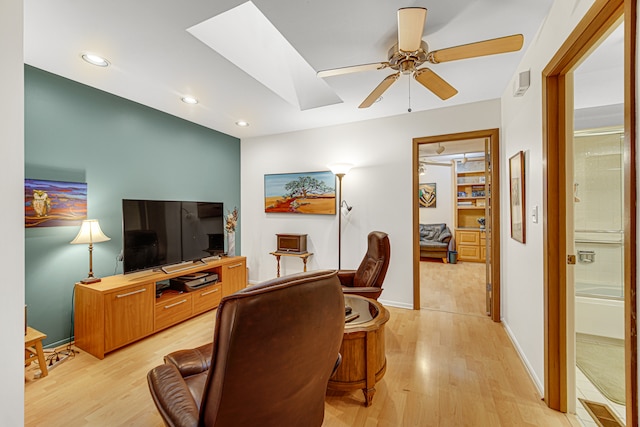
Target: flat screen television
[[157, 233]]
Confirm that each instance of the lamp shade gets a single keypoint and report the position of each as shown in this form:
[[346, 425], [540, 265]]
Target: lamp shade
[[90, 232], [340, 168]]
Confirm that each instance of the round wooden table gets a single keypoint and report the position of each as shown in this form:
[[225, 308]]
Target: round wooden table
[[363, 350]]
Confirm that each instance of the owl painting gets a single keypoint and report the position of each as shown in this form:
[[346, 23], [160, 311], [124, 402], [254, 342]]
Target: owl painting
[[54, 203], [41, 203]]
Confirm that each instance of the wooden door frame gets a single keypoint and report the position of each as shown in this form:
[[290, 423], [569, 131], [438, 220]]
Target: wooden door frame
[[494, 141], [557, 94]]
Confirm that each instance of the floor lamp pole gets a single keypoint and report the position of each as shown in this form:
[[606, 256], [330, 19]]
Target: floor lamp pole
[[339, 175]]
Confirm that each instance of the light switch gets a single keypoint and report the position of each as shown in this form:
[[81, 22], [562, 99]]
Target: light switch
[[534, 215]]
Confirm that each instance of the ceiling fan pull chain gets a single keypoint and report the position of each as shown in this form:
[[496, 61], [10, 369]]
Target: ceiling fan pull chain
[[409, 109]]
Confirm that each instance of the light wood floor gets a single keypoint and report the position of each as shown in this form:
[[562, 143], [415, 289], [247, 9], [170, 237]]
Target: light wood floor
[[444, 368], [456, 288]]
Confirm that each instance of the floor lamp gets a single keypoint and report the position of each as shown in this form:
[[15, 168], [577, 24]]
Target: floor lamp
[[340, 170]]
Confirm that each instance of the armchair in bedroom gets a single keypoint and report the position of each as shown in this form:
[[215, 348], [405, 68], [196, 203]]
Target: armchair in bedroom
[[435, 241], [367, 280]]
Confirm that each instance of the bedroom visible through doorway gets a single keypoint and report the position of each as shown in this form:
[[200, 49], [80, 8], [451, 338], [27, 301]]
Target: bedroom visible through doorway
[[453, 269]]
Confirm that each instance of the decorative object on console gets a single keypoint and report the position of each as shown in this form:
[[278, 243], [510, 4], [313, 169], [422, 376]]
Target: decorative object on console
[[231, 221], [340, 170], [54, 203], [292, 243], [302, 193], [90, 233]]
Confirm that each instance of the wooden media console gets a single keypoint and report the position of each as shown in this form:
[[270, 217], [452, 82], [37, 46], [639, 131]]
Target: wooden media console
[[123, 309]]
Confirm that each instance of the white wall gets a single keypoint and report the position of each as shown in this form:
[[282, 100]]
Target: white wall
[[379, 188], [443, 212], [522, 264], [12, 214]]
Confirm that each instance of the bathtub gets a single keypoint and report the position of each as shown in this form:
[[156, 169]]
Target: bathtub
[[599, 316]]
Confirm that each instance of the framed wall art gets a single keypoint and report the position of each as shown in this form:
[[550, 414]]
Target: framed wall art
[[301, 193], [427, 195], [517, 200], [54, 203]]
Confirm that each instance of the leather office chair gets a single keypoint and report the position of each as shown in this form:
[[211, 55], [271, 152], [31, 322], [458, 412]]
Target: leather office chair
[[275, 346], [367, 280]]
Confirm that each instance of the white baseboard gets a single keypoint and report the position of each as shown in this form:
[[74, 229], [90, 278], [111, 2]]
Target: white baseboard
[[395, 304], [536, 381]]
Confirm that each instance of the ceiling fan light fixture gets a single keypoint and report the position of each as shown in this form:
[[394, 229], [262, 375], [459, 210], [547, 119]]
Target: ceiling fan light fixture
[[410, 52]]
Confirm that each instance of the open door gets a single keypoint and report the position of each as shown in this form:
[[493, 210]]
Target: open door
[[488, 229], [559, 188], [491, 246]]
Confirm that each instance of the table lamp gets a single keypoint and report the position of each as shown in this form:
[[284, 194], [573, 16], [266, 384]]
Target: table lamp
[[90, 233]]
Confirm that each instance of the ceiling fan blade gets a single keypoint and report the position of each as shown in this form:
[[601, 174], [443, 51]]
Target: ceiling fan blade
[[434, 83], [379, 90], [410, 27], [472, 50], [352, 69]]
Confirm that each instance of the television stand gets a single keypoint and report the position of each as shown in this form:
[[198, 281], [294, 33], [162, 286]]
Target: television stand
[[168, 269], [122, 309]]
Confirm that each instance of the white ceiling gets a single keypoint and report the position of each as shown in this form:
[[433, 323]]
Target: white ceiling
[[155, 60]]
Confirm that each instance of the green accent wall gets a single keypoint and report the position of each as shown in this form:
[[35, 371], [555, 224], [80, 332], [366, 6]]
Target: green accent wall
[[122, 150]]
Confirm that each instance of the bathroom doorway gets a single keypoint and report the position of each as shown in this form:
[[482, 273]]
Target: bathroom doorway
[[598, 219], [464, 278], [589, 155]]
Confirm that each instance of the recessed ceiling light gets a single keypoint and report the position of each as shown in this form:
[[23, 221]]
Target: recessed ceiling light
[[95, 60], [242, 123], [189, 100]]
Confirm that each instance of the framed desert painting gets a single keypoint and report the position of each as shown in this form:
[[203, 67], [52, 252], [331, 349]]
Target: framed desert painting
[[517, 201], [301, 193]]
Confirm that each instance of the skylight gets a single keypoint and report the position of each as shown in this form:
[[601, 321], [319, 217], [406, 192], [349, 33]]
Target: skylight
[[245, 37]]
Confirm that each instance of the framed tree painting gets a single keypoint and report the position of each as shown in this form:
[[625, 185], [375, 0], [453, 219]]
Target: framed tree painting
[[301, 193], [427, 195], [517, 200]]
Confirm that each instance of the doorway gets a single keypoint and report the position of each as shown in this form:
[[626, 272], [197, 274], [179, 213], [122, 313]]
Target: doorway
[[475, 221], [561, 194]]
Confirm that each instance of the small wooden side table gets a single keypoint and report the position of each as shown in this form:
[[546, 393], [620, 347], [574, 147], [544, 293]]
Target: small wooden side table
[[364, 361], [33, 349], [304, 256]]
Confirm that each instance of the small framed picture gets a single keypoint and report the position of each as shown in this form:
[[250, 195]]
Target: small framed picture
[[517, 200], [427, 195]]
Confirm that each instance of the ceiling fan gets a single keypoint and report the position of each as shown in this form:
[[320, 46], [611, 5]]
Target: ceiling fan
[[411, 52]]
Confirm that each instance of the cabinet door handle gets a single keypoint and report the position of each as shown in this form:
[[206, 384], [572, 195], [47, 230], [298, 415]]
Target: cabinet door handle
[[131, 293], [234, 266], [175, 303], [209, 292]]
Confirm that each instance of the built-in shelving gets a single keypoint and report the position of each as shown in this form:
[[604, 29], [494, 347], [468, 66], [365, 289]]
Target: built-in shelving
[[472, 201]]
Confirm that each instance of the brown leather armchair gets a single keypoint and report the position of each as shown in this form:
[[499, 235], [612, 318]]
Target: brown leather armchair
[[275, 345], [367, 280]]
